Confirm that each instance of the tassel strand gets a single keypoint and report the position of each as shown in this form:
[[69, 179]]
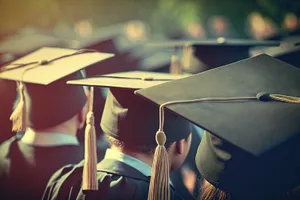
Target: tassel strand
[[18, 117], [89, 180]]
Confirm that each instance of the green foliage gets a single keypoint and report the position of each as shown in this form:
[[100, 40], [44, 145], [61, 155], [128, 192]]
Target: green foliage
[[163, 15]]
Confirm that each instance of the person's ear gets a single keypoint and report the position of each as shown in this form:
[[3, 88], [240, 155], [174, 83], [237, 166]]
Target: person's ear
[[179, 146], [81, 115]]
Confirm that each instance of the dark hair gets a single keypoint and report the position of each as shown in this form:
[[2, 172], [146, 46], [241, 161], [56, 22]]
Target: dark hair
[[148, 149], [210, 192]]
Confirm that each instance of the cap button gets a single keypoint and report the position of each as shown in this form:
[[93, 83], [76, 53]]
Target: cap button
[[263, 96], [147, 78], [44, 62], [221, 40]]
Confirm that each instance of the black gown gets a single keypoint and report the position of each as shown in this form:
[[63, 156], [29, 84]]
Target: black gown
[[7, 97], [117, 181], [25, 169]]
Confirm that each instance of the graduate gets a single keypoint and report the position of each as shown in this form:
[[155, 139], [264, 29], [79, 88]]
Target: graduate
[[193, 56], [129, 123], [209, 54], [49, 112], [251, 112], [8, 96]]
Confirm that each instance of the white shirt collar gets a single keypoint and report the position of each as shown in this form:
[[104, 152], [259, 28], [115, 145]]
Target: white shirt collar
[[135, 163], [47, 139]]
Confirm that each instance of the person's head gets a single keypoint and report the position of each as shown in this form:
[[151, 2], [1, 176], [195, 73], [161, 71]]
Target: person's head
[[253, 149], [229, 173], [56, 105], [45, 98], [177, 151], [130, 123]]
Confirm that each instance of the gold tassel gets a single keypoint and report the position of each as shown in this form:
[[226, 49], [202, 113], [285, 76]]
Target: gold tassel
[[89, 180], [175, 67], [285, 98], [187, 56], [159, 188], [18, 117]]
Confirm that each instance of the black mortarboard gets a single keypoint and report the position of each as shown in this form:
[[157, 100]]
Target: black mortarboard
[[159, 62], [148, 58], [286, 35], [215, 53], [151, 59], [129, 118], [106, 40], [111, 39], [257, 153], [97, 42], [42, 77], [287, 54], [123, 111]]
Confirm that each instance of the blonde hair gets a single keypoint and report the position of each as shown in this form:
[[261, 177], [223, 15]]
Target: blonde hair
[[210, 192]]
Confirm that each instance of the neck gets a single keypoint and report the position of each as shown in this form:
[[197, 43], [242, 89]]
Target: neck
[[65, 128], [146, 158]]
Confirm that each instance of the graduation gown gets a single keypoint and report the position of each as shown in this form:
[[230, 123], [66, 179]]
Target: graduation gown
[[7, 95], [25, 169], [116, 179]]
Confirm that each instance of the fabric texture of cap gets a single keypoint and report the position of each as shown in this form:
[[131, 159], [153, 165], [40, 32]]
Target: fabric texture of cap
[[43, 66], [127, 80], [258, 137]]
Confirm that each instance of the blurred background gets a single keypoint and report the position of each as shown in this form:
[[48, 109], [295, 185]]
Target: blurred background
[[162, 18], [26, 25]]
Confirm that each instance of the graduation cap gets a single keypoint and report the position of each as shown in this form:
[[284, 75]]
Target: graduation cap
[[42, 77], [215, 53], [111, 39], [158, 61], [97, 42], [288, 54], [286, 35], [107, 42], [252, 107], [129, 118]]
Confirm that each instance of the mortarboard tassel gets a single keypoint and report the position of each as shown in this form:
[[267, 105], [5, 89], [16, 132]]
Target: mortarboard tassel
[[18, 117], [89, 180], [187, 56], [175, 67], [159, 188]]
